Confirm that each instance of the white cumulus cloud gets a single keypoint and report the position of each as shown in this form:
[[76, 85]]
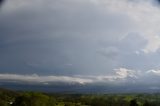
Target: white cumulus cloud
[[144, 15]]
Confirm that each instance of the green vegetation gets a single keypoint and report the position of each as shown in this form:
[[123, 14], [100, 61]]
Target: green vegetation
[[11, 98]]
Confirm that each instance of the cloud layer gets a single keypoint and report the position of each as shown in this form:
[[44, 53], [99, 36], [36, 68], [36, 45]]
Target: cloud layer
[[120, 76], [88, 38]]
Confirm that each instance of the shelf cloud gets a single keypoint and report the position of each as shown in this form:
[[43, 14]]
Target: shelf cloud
[[120, 76]]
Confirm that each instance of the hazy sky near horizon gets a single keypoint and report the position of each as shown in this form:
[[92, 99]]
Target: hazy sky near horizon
[[80, 40]]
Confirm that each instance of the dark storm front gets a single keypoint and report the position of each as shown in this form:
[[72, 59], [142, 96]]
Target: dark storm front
[[1, 1], [79, 88]]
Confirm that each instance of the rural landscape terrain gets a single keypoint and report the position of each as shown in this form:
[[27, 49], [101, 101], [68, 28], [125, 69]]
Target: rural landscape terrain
[[79, 52], [19, 98]]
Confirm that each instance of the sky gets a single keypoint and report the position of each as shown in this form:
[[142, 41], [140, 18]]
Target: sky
[[80, 41]]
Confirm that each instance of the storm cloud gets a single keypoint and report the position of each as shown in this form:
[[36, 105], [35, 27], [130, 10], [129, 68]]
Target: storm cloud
[[82, 37], [1, 1]]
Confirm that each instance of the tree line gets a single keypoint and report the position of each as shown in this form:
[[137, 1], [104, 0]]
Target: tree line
[[11, 98]]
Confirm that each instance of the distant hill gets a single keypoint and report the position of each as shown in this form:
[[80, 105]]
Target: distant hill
[[78, 88], [8, 95]]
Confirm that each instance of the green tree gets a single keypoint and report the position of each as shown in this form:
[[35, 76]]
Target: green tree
[[133, 102], [4, 103], [34, 99]]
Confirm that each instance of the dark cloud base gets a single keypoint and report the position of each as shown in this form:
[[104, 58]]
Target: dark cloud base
[[68, 38], [1, 1]]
